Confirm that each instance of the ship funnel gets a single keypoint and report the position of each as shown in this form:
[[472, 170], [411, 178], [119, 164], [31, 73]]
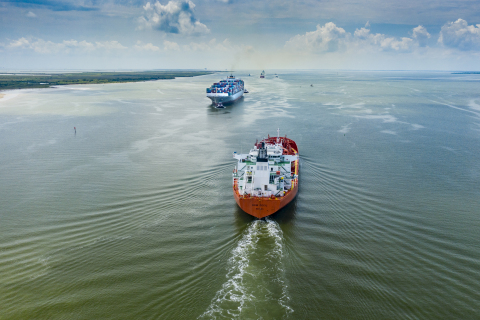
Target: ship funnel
[[262, 153]]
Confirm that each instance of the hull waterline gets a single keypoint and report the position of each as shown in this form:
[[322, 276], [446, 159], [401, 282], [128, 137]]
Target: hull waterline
[[262, 207]]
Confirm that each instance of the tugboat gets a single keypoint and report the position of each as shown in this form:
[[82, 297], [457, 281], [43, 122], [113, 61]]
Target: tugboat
[[226, 91], [266, 179], [220, 106]]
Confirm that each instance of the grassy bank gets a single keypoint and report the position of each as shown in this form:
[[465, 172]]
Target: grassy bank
[[45, 80]]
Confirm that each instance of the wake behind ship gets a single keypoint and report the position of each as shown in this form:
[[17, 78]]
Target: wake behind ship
[[226, 91], [266, 179]]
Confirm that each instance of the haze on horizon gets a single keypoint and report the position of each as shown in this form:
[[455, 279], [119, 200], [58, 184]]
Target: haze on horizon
[[234, 34]]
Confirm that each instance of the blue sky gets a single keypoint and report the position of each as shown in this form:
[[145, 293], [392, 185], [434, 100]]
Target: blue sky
[[226, 34]]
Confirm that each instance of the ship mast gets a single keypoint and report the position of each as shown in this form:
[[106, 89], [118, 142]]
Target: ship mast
[[278, 135]]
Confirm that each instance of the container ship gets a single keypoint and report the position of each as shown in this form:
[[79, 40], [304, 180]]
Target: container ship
[[266, 179], [226, 91]]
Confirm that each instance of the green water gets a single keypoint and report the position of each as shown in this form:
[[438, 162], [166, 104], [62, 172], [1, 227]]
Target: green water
[[133, 217]]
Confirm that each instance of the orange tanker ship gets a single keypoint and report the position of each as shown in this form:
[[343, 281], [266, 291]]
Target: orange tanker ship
[[266, 179]]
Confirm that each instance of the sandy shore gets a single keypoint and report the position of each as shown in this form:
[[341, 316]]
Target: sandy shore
[[7, 95]]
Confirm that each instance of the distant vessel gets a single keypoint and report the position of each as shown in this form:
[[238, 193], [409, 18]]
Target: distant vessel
[[276, 75], [226, 91], [262, 75], [266, 179], [245, 91]]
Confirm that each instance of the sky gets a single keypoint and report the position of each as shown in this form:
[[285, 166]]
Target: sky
[[240, 34]]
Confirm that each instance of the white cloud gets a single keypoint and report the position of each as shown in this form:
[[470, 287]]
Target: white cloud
[[42, 46], [45, 47], [146, 47], [20, 43], [109, 45], [170, 46], [83, 45], [30, 14], [328, 38], [363, 37], [460, 35], [177, 16], [331, 38], [421, 34]]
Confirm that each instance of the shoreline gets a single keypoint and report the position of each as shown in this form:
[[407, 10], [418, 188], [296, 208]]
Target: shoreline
[[13, 81]]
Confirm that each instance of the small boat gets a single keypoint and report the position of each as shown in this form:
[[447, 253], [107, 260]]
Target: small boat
[[245, 91], [262, 75], [249, 75], [220, 106]]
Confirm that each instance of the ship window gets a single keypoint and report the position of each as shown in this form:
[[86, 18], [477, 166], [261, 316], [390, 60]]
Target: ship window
[[266, 187], [271, 169]]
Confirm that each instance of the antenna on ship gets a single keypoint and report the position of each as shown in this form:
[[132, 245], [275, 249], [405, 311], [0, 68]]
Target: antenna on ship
[[278, 135]]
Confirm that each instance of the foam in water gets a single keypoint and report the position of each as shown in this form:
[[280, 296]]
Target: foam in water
[[251, 290]]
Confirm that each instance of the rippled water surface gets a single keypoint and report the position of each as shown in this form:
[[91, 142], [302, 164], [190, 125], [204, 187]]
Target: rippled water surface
[[133, 216]]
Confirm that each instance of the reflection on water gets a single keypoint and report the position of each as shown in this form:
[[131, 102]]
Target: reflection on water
[[134, 216]]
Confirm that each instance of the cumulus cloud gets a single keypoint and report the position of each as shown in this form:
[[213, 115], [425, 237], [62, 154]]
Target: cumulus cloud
[[460, 35], [170, 46], [177, 16], [20, 43], [30, 14], [140, 46], [325, 39], [42, 46], [421, 34], [363, 37], [330, 38]]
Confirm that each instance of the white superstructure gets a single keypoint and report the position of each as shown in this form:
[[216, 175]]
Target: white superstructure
[[266, 171]]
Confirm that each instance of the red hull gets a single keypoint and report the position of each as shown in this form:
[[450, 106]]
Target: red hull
[[262, 207]]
